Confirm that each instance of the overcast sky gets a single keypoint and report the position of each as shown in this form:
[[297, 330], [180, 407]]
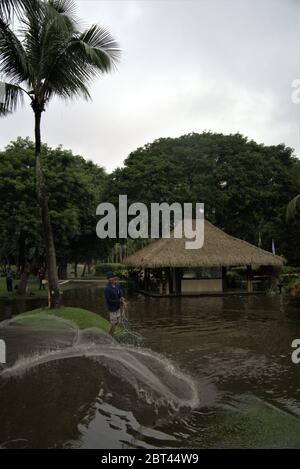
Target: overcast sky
[[187, 66]]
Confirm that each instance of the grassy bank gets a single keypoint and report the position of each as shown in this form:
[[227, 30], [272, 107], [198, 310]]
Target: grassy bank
[[81, 317], [33, 290]]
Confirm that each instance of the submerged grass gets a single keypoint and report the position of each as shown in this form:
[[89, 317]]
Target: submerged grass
[[81, 317]]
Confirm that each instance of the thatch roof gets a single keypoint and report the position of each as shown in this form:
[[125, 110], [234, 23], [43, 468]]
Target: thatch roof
[[219, 249]]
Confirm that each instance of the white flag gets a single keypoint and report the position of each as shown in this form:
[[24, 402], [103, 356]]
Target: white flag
[[273, 247], [259, 240]]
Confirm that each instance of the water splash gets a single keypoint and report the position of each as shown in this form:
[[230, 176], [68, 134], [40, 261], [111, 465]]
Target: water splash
[[153, 376]]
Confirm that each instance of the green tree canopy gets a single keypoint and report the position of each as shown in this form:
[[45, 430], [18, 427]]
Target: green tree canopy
[[76, 187], [245, 186]]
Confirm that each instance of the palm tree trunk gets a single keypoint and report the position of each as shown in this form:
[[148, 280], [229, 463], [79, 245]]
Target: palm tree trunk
[[55, 300]]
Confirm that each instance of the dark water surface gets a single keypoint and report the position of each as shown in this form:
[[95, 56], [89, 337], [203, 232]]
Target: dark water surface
[[233, 352]]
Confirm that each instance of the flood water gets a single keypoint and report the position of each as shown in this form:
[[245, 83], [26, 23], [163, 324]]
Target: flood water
[[194, 372]]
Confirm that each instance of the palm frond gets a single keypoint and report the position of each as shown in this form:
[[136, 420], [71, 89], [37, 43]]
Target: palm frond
[[11, 96], [100, 48], [13, 62], [63, 12], [293, 208], [71, 62], [31, 32], [53, 57], [68, 76], [64, 7], [9, 7], [44, 30]]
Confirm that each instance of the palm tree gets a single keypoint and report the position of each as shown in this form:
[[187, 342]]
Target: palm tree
[[49, 56]]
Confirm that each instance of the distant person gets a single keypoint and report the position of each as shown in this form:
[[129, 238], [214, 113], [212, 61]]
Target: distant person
[[42, 278], [9, 280], [114, 297]]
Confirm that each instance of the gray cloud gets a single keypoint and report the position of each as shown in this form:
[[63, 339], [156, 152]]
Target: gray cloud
[[220, 65]]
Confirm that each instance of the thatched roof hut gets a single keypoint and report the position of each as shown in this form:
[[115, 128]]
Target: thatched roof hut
[[219, 250]]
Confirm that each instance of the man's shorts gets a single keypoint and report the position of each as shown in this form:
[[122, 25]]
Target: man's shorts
[[115, 317]]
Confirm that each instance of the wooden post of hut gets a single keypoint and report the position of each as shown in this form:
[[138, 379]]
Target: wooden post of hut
[[164, 282], [178, 279], [161, 283], [174, 281], [168, 281], [224, 280], [249, 279], [147, 280]]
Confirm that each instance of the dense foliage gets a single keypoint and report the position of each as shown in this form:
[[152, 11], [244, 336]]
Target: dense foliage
[[75, 188], [245, 186]]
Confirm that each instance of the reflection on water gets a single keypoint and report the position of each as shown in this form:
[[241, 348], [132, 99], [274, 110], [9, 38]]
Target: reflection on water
[[237, 351]]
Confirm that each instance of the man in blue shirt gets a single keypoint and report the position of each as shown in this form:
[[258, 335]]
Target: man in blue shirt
[[114, 297]]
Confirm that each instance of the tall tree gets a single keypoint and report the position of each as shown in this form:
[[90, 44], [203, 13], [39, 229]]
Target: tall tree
[[76, 187], [50, 56], [245, 186]]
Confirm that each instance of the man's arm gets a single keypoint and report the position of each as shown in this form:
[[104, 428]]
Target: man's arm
[[121, 294]]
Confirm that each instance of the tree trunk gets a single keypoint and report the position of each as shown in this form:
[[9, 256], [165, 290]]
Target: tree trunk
[[21, 252], [63, 269], [84, 270], [55, 300], [22, 286]]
